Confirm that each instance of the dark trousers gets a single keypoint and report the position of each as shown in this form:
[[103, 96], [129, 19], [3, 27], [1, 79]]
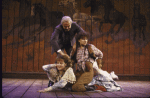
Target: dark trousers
[[67, 48]]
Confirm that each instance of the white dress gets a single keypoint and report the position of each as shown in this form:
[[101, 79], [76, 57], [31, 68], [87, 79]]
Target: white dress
[[105, 79]]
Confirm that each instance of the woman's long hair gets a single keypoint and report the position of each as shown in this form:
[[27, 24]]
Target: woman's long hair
[[78, 37]]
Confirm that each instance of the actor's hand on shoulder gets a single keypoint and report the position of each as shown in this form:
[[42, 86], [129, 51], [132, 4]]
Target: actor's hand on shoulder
[[61, 53]]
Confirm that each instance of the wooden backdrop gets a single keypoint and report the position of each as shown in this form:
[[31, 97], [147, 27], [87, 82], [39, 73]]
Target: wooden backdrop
[[27, 26]]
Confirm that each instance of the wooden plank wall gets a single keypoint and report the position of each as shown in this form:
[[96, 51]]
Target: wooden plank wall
[[26, 49]]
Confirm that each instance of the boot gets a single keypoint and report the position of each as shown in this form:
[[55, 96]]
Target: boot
[[100, 87], [50, 83], [95, 87]]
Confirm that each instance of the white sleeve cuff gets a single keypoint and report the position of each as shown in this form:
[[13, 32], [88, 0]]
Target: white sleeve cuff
[[58, 50]]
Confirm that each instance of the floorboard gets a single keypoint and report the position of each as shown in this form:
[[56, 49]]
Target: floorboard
[[94, 93], [27, 88], [63, 94], [10, 88], [8, 82], [20, 90], [122, 94], [32, 91], [136, 88], [109, 94], [134, 94], [47, 94], [80, 94]]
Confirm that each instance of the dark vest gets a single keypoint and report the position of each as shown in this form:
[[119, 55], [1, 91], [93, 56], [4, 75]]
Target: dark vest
[[88, 46]]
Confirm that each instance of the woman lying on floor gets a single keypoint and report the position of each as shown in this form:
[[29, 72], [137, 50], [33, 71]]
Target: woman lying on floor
[[60, 73]]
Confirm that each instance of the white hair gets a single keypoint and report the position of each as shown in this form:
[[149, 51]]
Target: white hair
[[66, 19]]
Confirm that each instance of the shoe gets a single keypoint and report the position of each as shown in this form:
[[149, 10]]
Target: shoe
[[50, 83], [113, 75], [100, 87]]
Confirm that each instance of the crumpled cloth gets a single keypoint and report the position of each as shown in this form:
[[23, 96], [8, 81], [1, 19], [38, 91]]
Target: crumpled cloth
[[110, 85], [104, 78]]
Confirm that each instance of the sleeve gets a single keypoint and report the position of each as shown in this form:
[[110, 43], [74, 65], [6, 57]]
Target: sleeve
[[59, 84], [97, 52], [48, 66], [79, 29], [54, 40], [69, 76]]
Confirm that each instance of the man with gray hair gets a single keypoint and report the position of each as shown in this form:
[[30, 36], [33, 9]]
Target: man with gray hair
[[63, 37]]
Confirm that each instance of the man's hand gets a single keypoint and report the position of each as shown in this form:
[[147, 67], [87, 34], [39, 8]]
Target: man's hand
[[61, 53]]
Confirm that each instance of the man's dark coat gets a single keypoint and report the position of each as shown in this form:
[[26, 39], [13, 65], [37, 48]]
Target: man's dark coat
[[58, 36]]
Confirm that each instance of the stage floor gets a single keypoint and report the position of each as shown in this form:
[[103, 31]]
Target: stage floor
[[27, 88]]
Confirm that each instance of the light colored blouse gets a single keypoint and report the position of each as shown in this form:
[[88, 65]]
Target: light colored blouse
[[68, 77]]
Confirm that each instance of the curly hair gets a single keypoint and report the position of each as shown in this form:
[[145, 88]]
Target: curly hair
[[66, 59]]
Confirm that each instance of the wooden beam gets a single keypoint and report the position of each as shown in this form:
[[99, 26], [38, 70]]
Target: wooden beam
[[43, 75]]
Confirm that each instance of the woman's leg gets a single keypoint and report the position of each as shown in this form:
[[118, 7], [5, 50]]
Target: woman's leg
[[84, 79]]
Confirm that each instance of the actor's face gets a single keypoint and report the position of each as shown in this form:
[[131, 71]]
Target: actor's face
[[83, 41], [66, 26], [60, 64]]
